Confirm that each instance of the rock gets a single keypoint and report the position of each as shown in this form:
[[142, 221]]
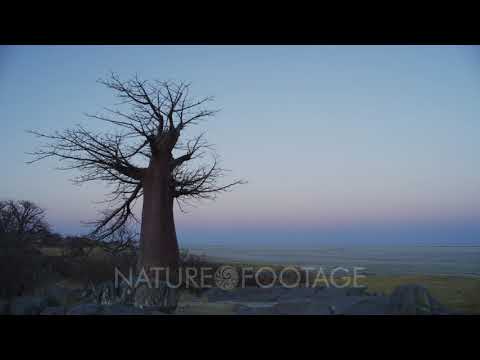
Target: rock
[[120, 309], [86, 309], [215, 308], [255, 310], [56, 295], [247, 294], [332, 291], [305, 293], [290, 301], [378, 305], [217, 294], [87, 294], [156, 313], [98, 309], [252, 294], [356, 291], [325, 305], [292, 307], [104, 293], [54, 310], [162, 298], [108, 293], [126, 293], [28, 305], [302, 307], [414, 299], [339, 305], [186, 297]]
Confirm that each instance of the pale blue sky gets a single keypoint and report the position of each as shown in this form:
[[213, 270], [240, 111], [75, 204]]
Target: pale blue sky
[[329, 137]]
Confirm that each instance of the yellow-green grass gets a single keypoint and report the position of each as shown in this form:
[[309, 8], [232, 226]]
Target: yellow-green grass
[[456, 292], [459, 293]]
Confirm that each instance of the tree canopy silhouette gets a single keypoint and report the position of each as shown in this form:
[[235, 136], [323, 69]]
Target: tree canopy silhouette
[[145, 157], [23, 219]]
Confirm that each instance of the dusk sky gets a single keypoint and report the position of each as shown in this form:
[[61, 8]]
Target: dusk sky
[[354, 143]]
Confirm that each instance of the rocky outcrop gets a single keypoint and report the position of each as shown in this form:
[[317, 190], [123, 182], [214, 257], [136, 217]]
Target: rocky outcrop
[[373, 305], [86, 309], [109, 293], [162, 298], [115, 309], [159, 298], [120, 309], [145, 300], [281, 294], [248, 294], [408, 299], [255, 310]]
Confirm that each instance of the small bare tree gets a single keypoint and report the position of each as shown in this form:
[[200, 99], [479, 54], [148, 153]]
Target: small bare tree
[[22, 220], [144, 158]]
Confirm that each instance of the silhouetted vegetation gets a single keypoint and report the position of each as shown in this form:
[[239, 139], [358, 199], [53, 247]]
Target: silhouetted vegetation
[[31, 256], [146, 156]]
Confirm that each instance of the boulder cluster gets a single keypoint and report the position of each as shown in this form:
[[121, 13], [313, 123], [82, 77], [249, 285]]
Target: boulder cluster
[[405, 300], [103, 299], [108, 299]]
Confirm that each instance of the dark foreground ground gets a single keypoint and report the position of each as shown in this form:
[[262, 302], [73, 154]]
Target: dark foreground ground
[[408, 299], [66, 288]]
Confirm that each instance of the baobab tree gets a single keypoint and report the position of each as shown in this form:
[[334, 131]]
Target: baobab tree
[[146, 157]]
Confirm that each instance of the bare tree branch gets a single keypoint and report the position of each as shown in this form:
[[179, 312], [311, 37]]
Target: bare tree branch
[[149, 128]]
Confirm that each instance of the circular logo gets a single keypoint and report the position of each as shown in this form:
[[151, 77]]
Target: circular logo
[[226, 277]]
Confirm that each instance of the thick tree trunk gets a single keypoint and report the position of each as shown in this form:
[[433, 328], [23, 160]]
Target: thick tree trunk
[[158, 239]]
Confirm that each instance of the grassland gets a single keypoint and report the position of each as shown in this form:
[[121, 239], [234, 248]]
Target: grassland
[[456, 292], [460, 293]]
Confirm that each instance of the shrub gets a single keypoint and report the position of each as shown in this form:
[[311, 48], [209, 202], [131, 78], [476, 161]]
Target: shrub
[[22, 267]]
